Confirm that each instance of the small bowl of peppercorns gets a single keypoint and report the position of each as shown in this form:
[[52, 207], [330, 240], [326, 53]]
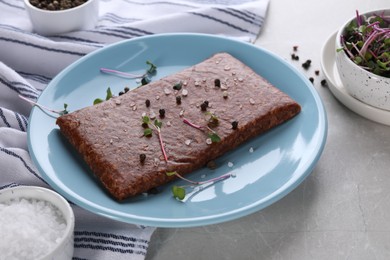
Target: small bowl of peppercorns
[[52, 17]]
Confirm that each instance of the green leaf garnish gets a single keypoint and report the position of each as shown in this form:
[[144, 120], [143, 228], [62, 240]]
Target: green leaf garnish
[[152, 68], [148, 132], [109, 94], [158, 123], [214, 137], [97, 101], [178, 192], [65, 111], [145, 119], [171, 173]]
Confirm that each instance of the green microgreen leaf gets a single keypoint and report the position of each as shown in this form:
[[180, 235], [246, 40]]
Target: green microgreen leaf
[[178, 192], [97, 101], [171, 173], [109, 94], [148, 132], [152, 68], [158, 123], [214, 137], [65, 111], [146, 120]]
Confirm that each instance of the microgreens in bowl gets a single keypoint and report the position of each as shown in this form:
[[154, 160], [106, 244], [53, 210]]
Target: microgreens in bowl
[[366, 41]]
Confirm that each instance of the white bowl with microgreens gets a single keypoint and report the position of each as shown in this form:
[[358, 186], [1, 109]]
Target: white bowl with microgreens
[[363, 57], [35, 223], [52, 17]]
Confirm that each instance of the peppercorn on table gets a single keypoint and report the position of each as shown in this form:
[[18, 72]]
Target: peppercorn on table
[[341, 210]]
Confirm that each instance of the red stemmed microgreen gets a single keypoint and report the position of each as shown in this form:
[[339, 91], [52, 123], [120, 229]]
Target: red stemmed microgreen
[[145, 77], [179, 192], [211, 122], [148, 131], [58, 112], [366, 41]]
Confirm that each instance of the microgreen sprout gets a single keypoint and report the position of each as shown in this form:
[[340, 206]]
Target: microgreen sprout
[[212, 121], [367, 43], [145, 77], [108, 96], [148, 132], [179, 192], [58, 112]]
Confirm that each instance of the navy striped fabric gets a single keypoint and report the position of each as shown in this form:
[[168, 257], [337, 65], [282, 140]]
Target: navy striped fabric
[[29, 61]]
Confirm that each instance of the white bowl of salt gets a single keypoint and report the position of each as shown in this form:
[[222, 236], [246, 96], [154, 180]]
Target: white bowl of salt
[[35, 223]]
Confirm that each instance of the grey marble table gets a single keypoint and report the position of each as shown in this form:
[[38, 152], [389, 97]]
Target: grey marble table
[[342, 210]]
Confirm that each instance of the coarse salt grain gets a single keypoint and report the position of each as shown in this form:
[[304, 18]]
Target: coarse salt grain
[[30, 228]]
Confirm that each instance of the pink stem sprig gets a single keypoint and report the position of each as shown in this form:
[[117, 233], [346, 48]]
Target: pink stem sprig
[[188, 122], [158, 130], [59, 112], [213, 136], [179, 192], [157, 127], [195, 183], [121, 73]]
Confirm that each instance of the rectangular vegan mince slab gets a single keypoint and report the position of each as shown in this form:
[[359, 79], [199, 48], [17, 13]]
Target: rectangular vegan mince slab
[[110, 135]]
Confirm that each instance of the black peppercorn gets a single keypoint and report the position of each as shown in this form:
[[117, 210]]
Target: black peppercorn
[[294, 57], [142, 157], [126, 89], [121, 93], [306, 64], [204, 105], [311, 79], [162, 112], [217, 83], [234, 125], [178, 100], [147, 103], [324, 83]]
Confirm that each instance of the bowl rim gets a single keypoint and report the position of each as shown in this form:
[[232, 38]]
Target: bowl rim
[[73, 9], [31, 192], [339, 45]]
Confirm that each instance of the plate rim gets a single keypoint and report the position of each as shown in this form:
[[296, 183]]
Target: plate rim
[[276, 195]]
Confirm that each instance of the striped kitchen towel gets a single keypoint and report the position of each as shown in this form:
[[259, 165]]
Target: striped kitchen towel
[[29, 61]]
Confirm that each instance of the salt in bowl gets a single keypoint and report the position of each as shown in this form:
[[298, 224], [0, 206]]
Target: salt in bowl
[[35, 223]]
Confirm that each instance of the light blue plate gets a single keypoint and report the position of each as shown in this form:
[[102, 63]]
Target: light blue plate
[[280, 161]]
